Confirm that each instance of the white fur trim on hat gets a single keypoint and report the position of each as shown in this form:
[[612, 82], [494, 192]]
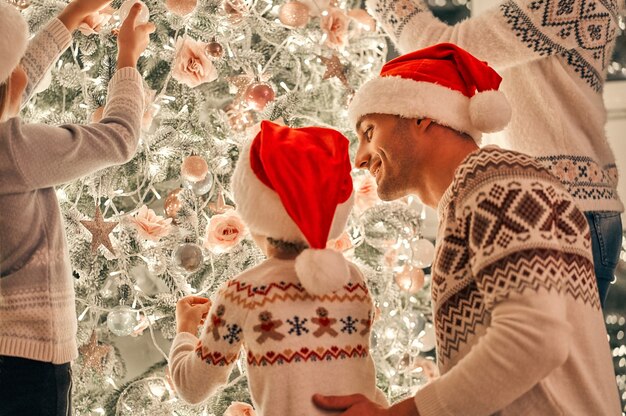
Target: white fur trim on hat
[[262, 210], [413, 99], [490, 111], [322, 271], [13, 39]]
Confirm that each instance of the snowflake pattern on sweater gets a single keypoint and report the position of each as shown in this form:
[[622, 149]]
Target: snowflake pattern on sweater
[[284, 331]]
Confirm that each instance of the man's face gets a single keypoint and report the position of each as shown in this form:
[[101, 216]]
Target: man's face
[[388, 149]]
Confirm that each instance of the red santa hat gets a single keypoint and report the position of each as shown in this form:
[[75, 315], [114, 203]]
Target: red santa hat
[[295, 185], [442, 82], [13, 39]]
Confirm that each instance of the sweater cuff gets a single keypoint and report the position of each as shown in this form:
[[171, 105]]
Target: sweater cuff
[[127, 73], [428, 403], [61, 36]]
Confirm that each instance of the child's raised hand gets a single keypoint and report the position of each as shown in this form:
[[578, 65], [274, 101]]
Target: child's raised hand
[[75, 12], [132, 39], [190, 313]]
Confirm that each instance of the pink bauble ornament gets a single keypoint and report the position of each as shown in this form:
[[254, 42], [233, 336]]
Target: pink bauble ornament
[[258, 94], [294, 14], [214, 49], [410, 279], [181, 7], [363, 19], [194, 169]]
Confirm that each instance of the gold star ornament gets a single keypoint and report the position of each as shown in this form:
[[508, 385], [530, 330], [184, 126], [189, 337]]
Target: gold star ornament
[[93, 354], [220, 206], [100, 231]]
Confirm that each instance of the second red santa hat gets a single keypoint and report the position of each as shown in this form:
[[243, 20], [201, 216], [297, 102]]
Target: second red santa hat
[[442, 82], [294, 184]]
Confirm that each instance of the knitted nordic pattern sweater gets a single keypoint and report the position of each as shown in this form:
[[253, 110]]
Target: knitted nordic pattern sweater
[[37, 311], [553, 56], [515, 302], [294, 344]]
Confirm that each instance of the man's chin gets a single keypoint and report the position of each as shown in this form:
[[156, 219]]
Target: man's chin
[[389, 195]]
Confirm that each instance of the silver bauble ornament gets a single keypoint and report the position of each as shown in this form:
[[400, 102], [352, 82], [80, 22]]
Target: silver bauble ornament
[[188, 258], [122, 320]]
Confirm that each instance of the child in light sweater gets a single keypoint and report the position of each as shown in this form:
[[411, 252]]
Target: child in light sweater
[[37, 312], [304, 315]]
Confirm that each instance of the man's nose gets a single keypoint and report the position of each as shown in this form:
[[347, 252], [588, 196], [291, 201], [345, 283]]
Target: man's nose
[[362, 158]]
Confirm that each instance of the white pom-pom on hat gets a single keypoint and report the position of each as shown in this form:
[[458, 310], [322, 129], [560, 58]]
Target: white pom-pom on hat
[[322, 271], [13, 40], [489, 111]]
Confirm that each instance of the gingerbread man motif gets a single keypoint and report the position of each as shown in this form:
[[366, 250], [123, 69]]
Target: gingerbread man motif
[[324, 323], [268, 327], [367, 323], [217, 321]]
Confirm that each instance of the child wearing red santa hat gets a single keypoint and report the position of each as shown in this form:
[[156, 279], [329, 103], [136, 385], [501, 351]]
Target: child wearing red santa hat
[[37, 312], [304, 315]]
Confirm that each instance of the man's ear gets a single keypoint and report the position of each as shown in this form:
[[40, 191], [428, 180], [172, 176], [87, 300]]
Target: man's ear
[[424, 123]]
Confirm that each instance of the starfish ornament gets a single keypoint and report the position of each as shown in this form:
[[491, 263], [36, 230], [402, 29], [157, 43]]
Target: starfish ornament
[[100, 230], [220, 205], [334, 68], [93, 353]]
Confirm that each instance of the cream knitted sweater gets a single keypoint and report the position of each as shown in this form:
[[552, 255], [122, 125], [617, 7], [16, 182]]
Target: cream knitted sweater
[[37, 311], [552, 55], [516, 308], [295, 344]]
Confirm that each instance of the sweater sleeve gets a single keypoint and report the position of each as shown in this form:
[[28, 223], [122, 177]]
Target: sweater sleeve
[[511, 34], [200, 366], [36, 156], [527, 240], [43, 50]]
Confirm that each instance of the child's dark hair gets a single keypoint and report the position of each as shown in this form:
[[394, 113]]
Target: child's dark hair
[[287, 247]]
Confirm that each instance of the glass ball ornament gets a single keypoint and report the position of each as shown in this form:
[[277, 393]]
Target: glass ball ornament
[[258, 94], [205, 186], [188, 258], [121, 320], [423, 253], [124, 10], [427, 338], [294, 14], [173, 203], [214, 50], [194, 168], [410, 280]]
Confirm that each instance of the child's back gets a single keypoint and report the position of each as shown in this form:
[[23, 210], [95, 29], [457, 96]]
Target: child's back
[[296, 344]]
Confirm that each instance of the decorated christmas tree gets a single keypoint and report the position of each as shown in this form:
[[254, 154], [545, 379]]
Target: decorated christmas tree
[[162, 226]]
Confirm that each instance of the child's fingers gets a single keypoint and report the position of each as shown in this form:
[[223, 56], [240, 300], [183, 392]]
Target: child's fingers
[[147, 28]]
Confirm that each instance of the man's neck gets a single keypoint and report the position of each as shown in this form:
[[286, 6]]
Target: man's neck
[[451, 151]]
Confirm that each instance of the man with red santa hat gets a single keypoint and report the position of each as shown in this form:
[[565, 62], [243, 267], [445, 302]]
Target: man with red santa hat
[[515, 301]]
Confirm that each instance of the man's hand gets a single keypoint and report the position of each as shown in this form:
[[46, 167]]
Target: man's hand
[[132, 39], [190, 313], [359, 405], [75, 12]]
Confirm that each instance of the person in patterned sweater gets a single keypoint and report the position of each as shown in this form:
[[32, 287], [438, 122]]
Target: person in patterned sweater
[[304, 315], [516, 309], [553, 56]]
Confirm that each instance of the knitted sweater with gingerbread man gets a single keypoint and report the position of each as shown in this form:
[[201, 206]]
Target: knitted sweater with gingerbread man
[[295, 344]]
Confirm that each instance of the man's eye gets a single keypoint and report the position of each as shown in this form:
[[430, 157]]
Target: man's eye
[[368, 134]]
